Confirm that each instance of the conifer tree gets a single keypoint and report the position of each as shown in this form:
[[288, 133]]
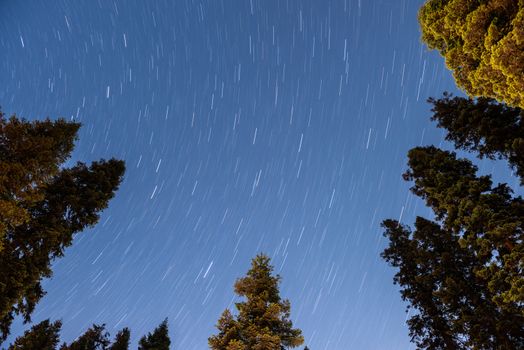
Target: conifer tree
[[482, 42], [263, 320], [42, 336], [121, 341], [158, 340], [483, 126], [461, 273], [42, 206], [95, 338], [46, 336]]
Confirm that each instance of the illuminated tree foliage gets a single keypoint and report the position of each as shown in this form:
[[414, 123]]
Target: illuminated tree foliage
[[482, 42], [263, 319], [42, 206]]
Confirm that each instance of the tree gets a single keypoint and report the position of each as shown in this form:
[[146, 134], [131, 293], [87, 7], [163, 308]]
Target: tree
[[121, 340], [263, 321], [95, 338], [158, 340], [43, 336], [463, 273], [490, 129], [46, 336], [482, 43], [42, 206]]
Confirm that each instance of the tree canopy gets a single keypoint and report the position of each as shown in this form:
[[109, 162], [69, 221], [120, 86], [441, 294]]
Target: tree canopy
[[482, 43], [46, 336], [483, 126], [43, 336], [42, 205], [121, 340], [95, 338], [463, 272], [263, 320], [157, 340]]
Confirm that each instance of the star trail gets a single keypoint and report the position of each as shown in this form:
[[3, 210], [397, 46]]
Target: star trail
[[247, 126]]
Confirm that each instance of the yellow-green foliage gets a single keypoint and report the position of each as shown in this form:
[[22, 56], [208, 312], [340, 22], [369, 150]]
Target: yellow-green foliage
[[482, 42]]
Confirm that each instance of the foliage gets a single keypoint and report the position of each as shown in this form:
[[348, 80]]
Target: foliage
[[121, 340], [482, 42], [43, 336], [263, 319], [42, 206], [158, 340], [463, 273], [95, 338], [490, 129], [46, 335]]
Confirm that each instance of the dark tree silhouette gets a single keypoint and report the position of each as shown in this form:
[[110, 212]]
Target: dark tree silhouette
[[462, 274], [157, 340], [484, 126], [95, 338], [43, 336], [42, 206], [121, 340]]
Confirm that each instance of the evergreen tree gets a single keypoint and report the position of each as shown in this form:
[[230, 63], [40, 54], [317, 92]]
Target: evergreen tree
[[158, 340], [46, 336], [462, 273], [482, 42], [95, 338], [42, 206], [490, 129], [121, 340], [42, 336], [263, 319]]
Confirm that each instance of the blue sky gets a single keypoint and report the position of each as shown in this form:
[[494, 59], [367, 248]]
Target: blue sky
[[247, 126]]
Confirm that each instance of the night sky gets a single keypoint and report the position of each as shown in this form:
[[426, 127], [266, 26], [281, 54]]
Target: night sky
[[247, 126]]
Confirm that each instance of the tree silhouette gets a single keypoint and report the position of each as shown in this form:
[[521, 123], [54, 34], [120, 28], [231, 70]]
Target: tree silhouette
[[158, 340], [43, 336], [461, 273], [484, 126], [42, 206]]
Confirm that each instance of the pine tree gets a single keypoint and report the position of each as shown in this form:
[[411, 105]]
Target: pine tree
[[95, 338], [482, 42], [42, 206], [42, 336], [46, 336], [121, 340], [158, 340], [483, 126], [462, 273], [263, 319]]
